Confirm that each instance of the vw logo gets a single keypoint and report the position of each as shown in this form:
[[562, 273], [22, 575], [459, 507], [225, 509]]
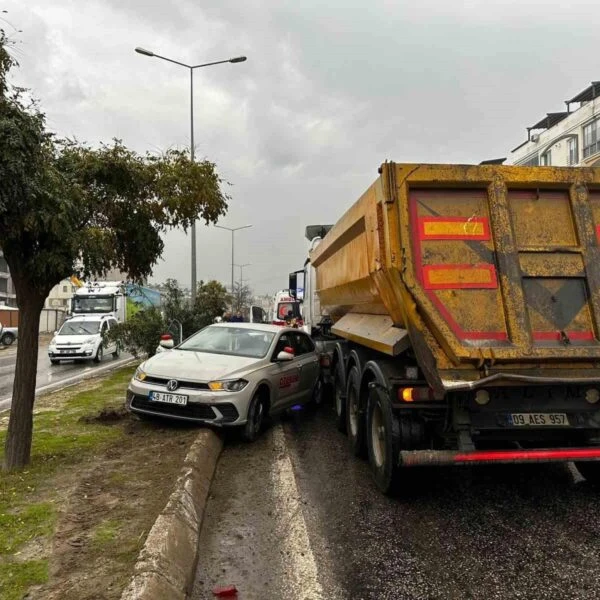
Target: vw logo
[[172, 385]]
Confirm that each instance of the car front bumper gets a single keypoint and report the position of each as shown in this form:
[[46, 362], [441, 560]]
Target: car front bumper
[[203, 406]]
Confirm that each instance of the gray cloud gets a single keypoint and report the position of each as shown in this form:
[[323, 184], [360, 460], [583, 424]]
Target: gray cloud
[[329, 91]]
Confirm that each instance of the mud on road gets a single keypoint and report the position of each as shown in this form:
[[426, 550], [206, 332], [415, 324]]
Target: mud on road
[[295, 516]]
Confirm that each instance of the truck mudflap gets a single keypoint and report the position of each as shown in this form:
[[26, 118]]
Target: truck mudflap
[[435, 458]]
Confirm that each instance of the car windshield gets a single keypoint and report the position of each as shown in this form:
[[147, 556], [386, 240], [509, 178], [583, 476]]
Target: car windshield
[[230, 340], [80, 328]]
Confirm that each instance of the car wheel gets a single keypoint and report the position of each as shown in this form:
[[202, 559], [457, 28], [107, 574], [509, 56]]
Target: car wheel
[[99, 354], [256, 418], [590, 470], [340, 399], [355, 421], [382, 443], [7, 339], [318, 393], [54, 361]]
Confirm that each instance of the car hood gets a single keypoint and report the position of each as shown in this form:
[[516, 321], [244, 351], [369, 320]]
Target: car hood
[[197, 366], [73, 340]]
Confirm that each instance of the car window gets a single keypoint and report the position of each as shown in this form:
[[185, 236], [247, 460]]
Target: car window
[[285, 340], [302, 344], [104, 328]]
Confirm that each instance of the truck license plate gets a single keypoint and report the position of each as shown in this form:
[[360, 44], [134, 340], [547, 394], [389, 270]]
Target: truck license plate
[[169, 398], [538, 420]]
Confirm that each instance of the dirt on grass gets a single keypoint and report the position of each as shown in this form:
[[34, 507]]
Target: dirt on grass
[[98, 497]]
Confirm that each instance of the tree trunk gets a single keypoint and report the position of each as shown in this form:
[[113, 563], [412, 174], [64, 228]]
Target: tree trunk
[[17, 449]]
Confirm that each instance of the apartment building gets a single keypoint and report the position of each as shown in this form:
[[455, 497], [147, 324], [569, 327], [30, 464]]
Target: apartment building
[[567, 138], [8, 296]]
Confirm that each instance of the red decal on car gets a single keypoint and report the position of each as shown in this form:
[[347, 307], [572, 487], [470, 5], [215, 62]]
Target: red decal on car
[[288, 380]]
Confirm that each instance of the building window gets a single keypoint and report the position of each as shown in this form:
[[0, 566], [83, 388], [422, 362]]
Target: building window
[[546, 159], [3, 265], [573, 150], [591, 138], [532, 162], [65, 289], [73, 289]]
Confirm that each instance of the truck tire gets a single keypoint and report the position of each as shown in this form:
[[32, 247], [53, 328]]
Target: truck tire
[[382, 433], [355, 421], [7, 339], [339, 398], [590, 470]]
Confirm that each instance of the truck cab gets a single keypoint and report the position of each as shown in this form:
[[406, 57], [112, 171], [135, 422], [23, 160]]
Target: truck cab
[[101, 298]]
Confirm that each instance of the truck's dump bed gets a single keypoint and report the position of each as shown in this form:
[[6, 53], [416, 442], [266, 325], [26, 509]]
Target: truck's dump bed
[[480, 269]]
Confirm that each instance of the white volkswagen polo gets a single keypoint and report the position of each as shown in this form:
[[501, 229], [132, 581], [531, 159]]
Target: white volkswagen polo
[[229, 374]]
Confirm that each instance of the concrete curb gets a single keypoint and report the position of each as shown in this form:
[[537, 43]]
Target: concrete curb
[[166, 564]]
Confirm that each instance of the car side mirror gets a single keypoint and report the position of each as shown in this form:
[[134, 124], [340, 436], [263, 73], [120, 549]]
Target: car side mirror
[[284, 356], [166, 341]]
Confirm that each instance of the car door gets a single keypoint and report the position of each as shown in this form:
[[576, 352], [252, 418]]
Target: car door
[[285, 376], [308, 363]]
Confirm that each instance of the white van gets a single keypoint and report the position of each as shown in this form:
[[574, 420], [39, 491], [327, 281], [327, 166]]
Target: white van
[[82, 338]]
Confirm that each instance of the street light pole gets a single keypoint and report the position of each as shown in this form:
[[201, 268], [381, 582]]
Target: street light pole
[[236, 59], [241, 267], [233, 230]]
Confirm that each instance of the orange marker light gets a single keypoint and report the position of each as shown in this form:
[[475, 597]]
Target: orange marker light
[[407, 394]]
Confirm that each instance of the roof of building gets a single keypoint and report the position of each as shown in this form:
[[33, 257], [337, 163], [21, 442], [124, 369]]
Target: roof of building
[[590, 92], [550, 120]]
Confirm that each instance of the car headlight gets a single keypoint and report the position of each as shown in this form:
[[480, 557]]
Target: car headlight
[[139, 374], [232, 385], [89, 341]]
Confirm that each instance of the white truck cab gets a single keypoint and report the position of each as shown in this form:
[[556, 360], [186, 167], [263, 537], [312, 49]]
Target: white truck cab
[[101, 298]]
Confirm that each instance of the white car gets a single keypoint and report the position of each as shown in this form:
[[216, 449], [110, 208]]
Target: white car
[[229, 374], [82, 337]]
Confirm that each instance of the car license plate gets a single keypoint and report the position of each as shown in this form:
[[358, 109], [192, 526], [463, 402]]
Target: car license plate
[[169, 398], [68, 351], [538, 420]]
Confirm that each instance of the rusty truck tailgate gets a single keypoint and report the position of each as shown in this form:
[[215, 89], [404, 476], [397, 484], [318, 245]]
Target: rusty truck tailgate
[[503, 258]]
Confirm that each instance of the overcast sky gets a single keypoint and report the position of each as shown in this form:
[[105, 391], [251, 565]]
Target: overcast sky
[[329, 91]]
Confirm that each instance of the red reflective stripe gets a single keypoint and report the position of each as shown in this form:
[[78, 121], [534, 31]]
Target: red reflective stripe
[[555, 335], [481, 223], [523, 455]]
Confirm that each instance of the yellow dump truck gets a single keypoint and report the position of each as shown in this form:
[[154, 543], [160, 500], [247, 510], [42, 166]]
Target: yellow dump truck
[[461, 309]]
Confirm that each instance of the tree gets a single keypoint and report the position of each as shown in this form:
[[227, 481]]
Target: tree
[[212, 300], [242, 297], [65, 204], [140, 334]]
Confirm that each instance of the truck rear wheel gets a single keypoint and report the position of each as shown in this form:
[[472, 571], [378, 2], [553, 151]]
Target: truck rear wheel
[[382, 441], [355, 423], [590, 470], [339, 398]]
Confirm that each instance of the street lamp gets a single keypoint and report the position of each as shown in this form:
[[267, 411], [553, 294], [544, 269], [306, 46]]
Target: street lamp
[[233, 230], [237, 59], [241, 267]]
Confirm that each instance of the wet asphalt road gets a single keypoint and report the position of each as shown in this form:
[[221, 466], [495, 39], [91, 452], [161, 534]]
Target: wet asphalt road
[[295, 517], [47, 374]]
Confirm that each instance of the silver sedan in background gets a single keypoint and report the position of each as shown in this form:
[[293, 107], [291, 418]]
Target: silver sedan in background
[[229, 374]]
